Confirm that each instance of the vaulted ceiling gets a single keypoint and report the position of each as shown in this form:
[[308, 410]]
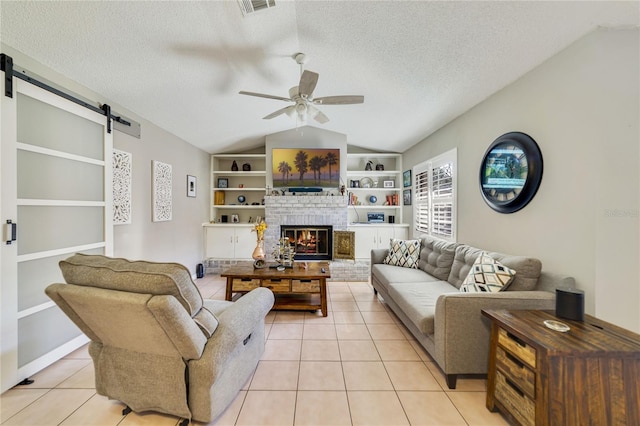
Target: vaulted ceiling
[[418, 64]]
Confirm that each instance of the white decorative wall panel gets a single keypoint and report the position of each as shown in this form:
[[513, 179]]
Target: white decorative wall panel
[[162, 203], [122, 164]]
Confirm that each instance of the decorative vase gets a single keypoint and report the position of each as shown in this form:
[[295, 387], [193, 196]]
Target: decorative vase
[[234, 166], [258, 252]]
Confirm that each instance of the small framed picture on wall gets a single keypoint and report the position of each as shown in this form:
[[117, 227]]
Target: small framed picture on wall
[[191, 186], [406, 197], [406, 178]]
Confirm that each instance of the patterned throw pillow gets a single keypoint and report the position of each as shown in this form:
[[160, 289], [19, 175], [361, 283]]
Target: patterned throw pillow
[[403, 253], [487, 275]]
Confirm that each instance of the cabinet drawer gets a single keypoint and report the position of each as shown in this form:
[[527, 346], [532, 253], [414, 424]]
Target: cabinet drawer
[[305, 286], [277, 284], [517, 347], [521, 407], [516, 371], [245, 284]]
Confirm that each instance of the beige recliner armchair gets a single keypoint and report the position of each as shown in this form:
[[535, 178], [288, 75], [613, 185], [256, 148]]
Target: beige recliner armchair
[[155, 343]]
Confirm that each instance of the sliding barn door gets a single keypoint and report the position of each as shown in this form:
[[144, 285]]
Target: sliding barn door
[[56, 188]]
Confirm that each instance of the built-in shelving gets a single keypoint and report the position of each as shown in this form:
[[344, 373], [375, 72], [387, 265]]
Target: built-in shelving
[[228, 185], [382, 184]]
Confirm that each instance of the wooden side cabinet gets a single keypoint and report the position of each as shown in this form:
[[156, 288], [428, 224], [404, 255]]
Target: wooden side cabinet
[[539, 376]]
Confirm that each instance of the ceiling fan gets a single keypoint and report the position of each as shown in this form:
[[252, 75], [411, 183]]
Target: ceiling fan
[[302, 97]]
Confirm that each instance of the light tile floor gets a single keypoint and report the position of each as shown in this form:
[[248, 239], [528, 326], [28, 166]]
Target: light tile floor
[[357, 366]]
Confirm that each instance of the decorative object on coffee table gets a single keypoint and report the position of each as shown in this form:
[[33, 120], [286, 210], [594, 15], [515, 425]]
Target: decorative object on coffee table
[[258, 252], [284, 253]]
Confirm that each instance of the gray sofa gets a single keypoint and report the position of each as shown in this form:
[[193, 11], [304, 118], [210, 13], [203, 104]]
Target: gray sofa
[[446, 322]]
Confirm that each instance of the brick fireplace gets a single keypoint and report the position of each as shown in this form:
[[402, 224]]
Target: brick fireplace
[[302, 210], [305, 210]]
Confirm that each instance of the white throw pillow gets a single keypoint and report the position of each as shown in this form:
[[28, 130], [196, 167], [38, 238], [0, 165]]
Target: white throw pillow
[[487, 275], [403, 253]]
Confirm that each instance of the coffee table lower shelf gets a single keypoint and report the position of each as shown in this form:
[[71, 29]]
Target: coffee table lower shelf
[[293, 302], [294, 289]]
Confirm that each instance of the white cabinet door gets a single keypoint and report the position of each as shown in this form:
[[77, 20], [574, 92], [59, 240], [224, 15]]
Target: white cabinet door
[[220, 242], [372, 237], [245, 242], [385, 235], [229, 242], [366, 238]]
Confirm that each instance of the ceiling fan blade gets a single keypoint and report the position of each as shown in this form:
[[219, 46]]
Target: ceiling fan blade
[[262, 95], [285, 110], [308, 81], [339, 100], [317, 115]]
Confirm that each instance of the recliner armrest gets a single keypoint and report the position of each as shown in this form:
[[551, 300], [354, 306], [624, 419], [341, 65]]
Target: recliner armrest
[[236, 323], [242, 316]]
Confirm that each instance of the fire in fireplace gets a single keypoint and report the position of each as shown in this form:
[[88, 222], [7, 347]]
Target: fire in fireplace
[[310, 242]]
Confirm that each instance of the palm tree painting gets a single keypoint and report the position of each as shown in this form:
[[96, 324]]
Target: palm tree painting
[[285, 169], [305, 168]]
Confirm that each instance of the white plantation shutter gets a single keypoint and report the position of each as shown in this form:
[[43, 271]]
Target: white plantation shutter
[[422, 205], [435, 206]]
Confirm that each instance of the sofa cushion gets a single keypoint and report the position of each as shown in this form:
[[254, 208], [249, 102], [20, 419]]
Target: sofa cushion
[[140, 277], [464, 259], [403, 253], [418, 301], [487, 275], [436, 257], [527, 268], [385, 274]]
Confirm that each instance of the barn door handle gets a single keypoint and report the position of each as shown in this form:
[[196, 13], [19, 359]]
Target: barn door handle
[[10, 231]]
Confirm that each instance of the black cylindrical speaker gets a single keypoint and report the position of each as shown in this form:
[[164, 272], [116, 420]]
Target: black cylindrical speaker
[[570, 304], [200, 270]]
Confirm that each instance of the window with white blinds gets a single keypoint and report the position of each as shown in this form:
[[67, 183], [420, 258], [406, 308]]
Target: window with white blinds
[[434, 208]]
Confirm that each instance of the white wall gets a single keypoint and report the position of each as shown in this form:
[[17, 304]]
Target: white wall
[[179, 240], [582, 107]]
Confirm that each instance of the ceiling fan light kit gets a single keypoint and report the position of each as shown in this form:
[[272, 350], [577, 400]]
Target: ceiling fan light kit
[[302, 97]]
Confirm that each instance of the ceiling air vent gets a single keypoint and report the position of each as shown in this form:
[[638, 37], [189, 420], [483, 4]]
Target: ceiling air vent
[[251, 6]]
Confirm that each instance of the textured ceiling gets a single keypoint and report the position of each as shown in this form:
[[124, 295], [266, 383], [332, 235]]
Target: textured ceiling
[[419, 64]]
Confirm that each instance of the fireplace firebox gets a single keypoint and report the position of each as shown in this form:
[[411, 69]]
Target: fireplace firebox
[[311, 242]]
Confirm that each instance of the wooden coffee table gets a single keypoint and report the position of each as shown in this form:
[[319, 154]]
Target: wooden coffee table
[[297, 288]]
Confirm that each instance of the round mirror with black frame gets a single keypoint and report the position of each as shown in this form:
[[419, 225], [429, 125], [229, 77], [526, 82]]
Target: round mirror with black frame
[[511, 172]]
